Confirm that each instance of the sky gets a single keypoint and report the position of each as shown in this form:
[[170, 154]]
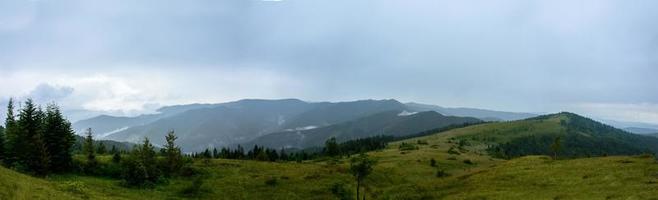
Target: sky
[[597, 58]]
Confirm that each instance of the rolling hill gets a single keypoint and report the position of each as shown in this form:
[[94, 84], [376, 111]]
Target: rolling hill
[[579, 137], [214, 125], [468, 172], [390, 123]]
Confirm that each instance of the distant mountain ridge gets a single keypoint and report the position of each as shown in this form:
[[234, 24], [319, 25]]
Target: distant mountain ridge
[[239, 122], [639, 130], [486, 115], [390, 123]]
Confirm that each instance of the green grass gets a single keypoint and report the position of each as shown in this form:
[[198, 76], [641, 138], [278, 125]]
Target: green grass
[[399, 174]]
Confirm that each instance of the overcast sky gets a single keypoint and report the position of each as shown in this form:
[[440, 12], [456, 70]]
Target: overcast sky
[[597, 58]]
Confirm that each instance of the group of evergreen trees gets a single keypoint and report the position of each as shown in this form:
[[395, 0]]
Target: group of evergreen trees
[[40, 142], [36, 141], [141, 167], [256, 153]]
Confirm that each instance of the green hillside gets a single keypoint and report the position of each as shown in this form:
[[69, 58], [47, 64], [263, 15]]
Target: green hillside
[[579, 137], [403, 172], [389, 123]]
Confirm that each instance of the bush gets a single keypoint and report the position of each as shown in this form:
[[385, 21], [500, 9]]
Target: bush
[[469, 162], [75, 187], [407, 147], [140, 168], [453, 151], [189, 171], [422, 142], [196, 188], [273, 181], [112, 170], [441, 173], [433, 162], [339, 190]]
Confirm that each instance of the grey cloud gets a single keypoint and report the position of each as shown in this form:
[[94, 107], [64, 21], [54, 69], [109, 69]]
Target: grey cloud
[[511, 55], [44, 93]]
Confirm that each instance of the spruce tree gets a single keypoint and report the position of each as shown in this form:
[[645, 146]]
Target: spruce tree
[[88, 149], [10, 135], [59, 138], [140, 168], [207, 154], [101, 148], [331, 147], [555, 147], [31, 149], [361, 167], [173, 154], [2, 143], [114, 150], [116, 158]]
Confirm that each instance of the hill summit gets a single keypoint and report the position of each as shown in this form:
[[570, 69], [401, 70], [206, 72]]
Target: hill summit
[[567, 133]]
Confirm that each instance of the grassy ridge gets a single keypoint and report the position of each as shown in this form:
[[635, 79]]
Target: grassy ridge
[[401, 173]]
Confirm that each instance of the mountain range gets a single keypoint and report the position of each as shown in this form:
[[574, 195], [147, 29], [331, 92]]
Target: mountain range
[[283, 123]]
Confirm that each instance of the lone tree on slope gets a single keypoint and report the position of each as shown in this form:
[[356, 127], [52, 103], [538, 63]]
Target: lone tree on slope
[[361, 167]]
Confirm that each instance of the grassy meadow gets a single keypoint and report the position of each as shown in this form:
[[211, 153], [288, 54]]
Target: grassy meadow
[[467, 172]]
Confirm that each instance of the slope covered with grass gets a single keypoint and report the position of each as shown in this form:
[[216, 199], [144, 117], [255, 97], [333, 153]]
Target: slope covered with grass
[[463, 170], [14, 185], [578, 137]]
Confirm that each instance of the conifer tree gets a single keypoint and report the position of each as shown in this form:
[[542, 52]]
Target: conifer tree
[[331, 147], [207, 154], [101, 148], [88, 149], [140, 168], [262, 156], [59, 139], [114, 150], [555, 147], [361, 167], [284, 155], [10, 133], [2, 143], [31, 149], [173, 153], [116, 157]]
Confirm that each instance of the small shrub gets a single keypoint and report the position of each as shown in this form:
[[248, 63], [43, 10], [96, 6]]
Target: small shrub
[[273, 181], [112, 170], [432, 162], [75, 187], [441, 173], [188, 170], [422, 142], [452, 150], [196, 188], [407, 147], [469, 162], [463, 143], [340, 191]]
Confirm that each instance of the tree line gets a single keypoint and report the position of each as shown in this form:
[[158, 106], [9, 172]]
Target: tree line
[[259, 153], [36, 141], [331, 148], [41, 142]]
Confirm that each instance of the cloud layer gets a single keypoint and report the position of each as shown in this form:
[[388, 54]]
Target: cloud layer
[[131, 56]]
